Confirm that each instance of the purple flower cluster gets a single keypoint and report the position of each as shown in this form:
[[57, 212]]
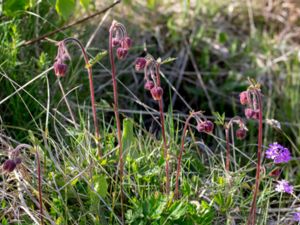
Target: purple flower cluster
[[284, 186], [297, 216], [278, 153]]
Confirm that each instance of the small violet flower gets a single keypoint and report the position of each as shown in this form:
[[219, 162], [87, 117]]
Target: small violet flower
[[278, 153], [284, 186], [297, 216]]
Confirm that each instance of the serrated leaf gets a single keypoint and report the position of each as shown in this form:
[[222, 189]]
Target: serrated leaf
[[168, 60], [97, 58], [65, 7]]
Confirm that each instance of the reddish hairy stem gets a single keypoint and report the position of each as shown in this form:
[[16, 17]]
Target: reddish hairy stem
[[176, 193], [40, 186], [252, 214], [119, 136], [92, 94], [227, 165], [162, 121]]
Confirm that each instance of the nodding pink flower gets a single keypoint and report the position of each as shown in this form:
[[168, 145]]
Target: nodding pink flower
[[116, 42], [244, 98], [9, 165], [284, 186], [149, 85], [60, 68], [140, 64], [208, 126], [157, 93], [120, 39], [126, 43], [122, 53], [249, 113], [205, 126], [241, 133], [201, 127]]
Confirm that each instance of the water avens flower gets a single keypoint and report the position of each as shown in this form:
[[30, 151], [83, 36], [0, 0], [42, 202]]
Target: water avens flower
[[284, 186], [60, 69], [118, 36], [149, 85], [9, 165], [153, 83], [278, 153], [157, 93], [140, 63], [122, 53], [241, 133], [244, 97], [205, 126]]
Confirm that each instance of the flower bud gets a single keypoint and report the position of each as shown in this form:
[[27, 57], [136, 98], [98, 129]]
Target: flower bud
[[116, 42], [60, 68], [126, 42], [241, 133], [140, 63], [244, 98], [149, 85], [122, 53], [157, 93], [9, 165]]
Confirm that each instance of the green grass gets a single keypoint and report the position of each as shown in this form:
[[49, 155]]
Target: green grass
[[81, 188]]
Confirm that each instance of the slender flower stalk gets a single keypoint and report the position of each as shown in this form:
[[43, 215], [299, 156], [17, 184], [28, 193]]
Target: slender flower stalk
[[240, 134], [118, 38], [202, 123], [256, 104], [14, 159], [60, 69], [153, 84]]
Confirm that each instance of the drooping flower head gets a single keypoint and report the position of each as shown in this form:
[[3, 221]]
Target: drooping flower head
[[284, 186], [151, 69], [249, 98], [60, 68], [278, 153], [120, 39]]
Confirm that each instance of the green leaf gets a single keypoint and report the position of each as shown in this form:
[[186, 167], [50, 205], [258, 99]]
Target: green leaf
[[168, 60], [65, 7], [100, 185], [97, 58], [10, 7], [85, 3]]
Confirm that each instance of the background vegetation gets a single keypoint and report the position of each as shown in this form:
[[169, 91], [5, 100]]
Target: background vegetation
[[219, 42]]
